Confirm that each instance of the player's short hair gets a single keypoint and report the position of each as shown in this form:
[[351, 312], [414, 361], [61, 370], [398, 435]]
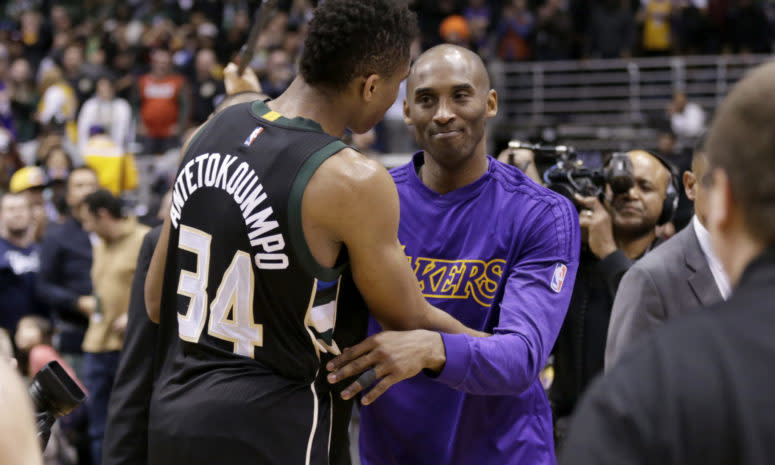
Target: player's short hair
[[353, 38], [102, 198], [741, 142]]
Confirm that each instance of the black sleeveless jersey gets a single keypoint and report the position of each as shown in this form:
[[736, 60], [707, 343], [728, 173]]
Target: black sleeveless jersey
[[255, 316]]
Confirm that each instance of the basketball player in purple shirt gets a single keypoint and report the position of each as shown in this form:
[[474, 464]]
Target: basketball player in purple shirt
[[495, 250]]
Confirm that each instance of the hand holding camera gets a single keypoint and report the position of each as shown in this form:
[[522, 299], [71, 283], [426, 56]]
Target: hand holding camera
[[596, 226]]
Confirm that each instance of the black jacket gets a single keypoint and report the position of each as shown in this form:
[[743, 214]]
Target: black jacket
[[697, 391], [126, 433], [579, 352]]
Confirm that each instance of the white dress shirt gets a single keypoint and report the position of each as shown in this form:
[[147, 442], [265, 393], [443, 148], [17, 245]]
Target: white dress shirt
[[719, 275]]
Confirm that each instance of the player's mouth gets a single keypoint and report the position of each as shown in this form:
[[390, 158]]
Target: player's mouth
[[446, 134]]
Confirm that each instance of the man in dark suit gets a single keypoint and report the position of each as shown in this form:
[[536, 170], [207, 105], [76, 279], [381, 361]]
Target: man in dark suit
[[681, 276], [699, 390], [126, 434]]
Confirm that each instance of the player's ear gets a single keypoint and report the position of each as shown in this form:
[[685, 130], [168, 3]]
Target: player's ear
[[690, 185], [407, 115], [369, 88], [492, 103]]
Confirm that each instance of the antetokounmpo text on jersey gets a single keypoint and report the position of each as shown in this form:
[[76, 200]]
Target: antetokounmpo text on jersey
[[242, 183]]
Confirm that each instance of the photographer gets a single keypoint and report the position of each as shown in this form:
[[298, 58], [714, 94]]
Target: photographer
[[615, 232]]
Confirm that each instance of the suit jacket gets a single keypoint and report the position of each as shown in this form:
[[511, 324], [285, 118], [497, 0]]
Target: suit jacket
[[126, 433], [674, 279], [695, 391]]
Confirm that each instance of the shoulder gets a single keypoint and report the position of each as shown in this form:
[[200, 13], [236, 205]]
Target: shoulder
[[349, 171], [403, 173], [347, 187], [524, 190], [668, 254]]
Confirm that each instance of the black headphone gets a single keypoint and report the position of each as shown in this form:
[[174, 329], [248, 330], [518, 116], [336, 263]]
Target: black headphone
[[670, 205]]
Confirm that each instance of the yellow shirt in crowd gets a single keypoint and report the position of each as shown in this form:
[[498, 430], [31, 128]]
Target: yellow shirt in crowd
[[112, 271]]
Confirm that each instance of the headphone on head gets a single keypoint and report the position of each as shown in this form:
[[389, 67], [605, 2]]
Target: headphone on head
[[670, 204]]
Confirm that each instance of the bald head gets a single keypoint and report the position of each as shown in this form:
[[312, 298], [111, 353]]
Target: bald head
[[460, 58], [448, 101]]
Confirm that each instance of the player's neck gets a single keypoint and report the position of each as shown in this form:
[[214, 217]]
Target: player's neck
[[443, 179], [303, 100]]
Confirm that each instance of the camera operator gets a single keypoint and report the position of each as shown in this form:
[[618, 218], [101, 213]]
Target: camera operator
[[615, 232]]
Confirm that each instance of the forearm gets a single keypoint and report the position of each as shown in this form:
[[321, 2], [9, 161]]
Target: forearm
[[441, 321], [57, 297], [155, 277], [503, 364]]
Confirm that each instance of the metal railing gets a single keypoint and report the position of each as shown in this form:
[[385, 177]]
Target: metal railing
[[606, 102]]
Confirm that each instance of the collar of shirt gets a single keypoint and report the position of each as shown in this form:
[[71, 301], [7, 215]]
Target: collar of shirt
[[719, 275]]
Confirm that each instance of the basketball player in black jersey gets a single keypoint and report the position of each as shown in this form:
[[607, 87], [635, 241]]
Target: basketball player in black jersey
[[270, 213]]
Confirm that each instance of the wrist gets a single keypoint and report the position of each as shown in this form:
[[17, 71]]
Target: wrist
[[436, 356], [605, 250]]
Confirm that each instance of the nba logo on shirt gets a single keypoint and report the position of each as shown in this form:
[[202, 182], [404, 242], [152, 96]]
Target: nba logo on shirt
[[253, 135], [558, 277]]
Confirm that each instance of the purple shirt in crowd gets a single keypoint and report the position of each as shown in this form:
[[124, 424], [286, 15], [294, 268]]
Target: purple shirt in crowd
[[500, 255]]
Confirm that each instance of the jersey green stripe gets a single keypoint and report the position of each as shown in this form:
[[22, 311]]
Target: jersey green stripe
[[296, 230], [259, 109]]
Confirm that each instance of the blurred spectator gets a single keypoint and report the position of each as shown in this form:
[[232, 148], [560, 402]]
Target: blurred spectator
[[206, 89], [115, 260], [115, 167], [33, 343], [31, 181], [35, 39], [279, 74], [479, 13], [523, 159], [615, 234], [514, 31], [105, 110], [163, 104], [126, 432], [24, 99], [687, 119], [6, 116], [455, 30], [18, 435], [234, 37], [65, 279], [610, 30], [694, 28], [554, 32], [656, 17], [74, 72], [750, 31], [6, 349], [677, 278], [9, 159], [57, 110], [19, 263], [58, 166]]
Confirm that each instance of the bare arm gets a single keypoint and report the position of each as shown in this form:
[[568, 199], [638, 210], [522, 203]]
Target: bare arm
[[353, 201]]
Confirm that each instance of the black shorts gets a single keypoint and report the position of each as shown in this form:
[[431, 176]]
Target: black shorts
[[238, 420]]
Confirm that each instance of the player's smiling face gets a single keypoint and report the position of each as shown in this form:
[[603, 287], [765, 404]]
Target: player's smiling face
[[448, 102]]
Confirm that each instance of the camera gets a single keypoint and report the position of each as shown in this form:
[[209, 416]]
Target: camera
[[568, 176], [54, 394]]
